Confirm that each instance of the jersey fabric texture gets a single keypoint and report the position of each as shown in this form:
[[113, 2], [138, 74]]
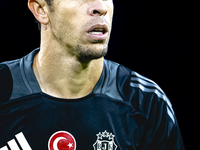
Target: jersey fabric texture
[[125, 111]]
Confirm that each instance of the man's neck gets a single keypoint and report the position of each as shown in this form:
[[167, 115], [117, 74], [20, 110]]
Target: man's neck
[[63, 76]]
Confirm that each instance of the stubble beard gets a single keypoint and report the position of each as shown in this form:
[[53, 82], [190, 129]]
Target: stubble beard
[[86, 53]]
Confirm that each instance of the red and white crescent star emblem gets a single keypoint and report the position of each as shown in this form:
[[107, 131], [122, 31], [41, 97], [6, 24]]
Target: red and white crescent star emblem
[[62, 140]]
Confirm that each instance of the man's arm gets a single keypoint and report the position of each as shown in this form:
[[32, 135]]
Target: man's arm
[[174, 141], [164, 132]]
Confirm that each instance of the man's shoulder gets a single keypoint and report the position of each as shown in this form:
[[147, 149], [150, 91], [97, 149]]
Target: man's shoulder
[[15, 77], [9, 64], [143, 93], [128, 80], [6, 80]]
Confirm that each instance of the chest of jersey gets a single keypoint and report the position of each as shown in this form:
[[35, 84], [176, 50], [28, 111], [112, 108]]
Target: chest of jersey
[[93, 123]]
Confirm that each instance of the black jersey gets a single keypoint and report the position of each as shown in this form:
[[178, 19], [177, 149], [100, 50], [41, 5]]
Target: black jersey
[[125, 111]]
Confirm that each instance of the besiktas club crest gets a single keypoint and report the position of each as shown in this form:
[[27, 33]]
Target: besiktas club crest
[[105, 141], [62, 140]]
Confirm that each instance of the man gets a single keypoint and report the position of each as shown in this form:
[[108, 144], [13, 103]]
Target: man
[[65, 95]]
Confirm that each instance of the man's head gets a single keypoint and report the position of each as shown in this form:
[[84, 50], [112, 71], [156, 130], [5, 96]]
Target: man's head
[[82, 26]]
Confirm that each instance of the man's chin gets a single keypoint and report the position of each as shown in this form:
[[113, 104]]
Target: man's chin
[[88, 53]]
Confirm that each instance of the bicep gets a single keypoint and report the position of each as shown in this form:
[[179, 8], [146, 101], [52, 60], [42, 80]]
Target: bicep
[[165, 132]]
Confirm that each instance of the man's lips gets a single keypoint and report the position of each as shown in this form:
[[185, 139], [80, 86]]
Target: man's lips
[[98, 32], [99, 27]]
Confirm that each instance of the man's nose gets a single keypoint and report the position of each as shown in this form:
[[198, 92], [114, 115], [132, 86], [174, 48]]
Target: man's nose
[[97, 8]]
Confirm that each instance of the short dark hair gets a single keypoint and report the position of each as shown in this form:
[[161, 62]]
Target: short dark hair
[[39, 25], [49, 3]]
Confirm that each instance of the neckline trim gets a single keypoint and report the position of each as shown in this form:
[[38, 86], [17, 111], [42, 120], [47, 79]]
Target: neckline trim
[[67, 100]]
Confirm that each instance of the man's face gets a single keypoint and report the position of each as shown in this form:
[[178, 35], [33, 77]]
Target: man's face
[[83, 26]]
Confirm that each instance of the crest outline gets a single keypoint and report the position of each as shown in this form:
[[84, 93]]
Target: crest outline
[[105, 141]]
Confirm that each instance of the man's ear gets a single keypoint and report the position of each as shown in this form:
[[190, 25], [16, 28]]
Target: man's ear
[[37, 7]]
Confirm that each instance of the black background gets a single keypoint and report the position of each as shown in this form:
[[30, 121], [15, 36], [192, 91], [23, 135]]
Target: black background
[[157, 39]]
